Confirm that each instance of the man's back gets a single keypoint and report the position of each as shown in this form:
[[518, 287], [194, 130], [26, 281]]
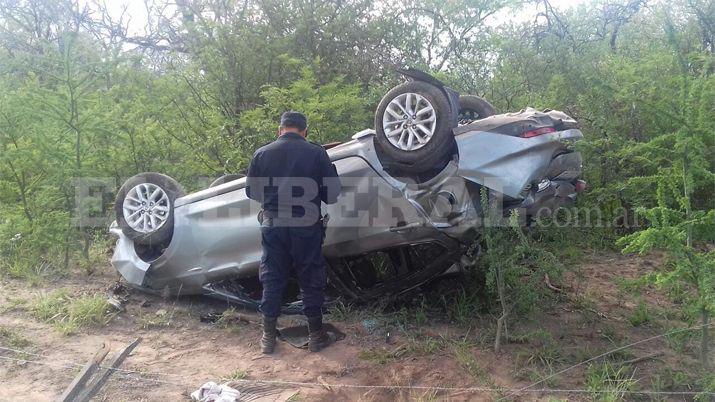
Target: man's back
[[290, 175]]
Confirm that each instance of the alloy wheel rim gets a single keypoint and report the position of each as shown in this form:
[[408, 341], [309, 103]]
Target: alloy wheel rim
[[409, 121], [146, 208]]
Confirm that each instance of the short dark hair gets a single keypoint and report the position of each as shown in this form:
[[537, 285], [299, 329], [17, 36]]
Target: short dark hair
[[294, 120]]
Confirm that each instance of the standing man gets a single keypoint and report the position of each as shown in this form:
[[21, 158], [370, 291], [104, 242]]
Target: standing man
[[290, 177]]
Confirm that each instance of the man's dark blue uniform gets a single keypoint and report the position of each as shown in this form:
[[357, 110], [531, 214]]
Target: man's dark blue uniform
[[290, 177]]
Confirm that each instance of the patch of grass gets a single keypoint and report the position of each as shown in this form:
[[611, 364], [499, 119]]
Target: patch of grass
[[679, 341], [30, 271], [345, 312], [90, 311], [569, 253], [582, 353], [673, 314], [621, 355], [583, 301], [672, 380], [12, 303], [546, 351], [401, 319], [538, 361], [463, 308], [536, 335], [462, 351], [159, 319], [12, 339], [682, 379], [97, 254], [610, 334], [420, 314], [465, 357], [415, 345], [425, 345], [640, 315], [588, 308], [677, 293], [51, 306], [707, 384], [68, 313], [632, 286], [608, 382], [383, 315], [540, 375], [381, 355], [658, 383], [238, 374], [229, 319], [407, 317]]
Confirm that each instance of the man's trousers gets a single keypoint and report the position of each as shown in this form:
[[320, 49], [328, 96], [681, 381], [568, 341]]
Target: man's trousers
[[292, 248]]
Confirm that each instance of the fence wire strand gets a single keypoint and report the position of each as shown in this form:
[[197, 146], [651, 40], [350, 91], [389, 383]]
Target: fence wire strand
[[144, 376]]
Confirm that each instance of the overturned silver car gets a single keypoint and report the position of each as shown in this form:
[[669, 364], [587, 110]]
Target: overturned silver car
[[408, 209]]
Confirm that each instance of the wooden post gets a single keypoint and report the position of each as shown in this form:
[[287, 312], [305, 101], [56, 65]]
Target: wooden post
[[107, 371], [80, 380]]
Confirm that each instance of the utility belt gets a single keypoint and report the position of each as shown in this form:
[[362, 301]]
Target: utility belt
[[269, 218]]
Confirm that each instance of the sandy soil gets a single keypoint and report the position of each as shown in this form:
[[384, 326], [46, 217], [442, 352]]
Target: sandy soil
[[178, 352]]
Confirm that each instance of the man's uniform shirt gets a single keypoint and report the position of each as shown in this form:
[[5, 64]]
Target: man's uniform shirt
[[290, 177]]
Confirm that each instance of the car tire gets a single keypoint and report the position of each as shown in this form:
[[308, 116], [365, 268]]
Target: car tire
[[420, 142], [225, 179], [144, 207], [473, 108]]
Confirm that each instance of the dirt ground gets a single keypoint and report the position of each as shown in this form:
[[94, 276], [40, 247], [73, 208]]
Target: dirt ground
[[593, 313]]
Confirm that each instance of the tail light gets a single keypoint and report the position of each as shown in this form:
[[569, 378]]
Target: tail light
[[537, 132]]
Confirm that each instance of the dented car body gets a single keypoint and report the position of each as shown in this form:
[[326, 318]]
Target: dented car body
[[386, 234]]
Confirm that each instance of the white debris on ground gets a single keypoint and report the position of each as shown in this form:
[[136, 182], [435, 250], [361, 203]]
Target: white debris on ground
[[212, 392]]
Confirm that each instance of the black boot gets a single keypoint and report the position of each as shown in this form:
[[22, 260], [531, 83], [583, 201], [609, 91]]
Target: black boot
[[268, 340], [317, 337]]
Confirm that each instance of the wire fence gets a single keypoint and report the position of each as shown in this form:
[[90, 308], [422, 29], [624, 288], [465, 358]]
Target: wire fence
[[145, 376]]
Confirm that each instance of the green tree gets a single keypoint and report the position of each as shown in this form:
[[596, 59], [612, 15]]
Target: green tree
[[335, 110]]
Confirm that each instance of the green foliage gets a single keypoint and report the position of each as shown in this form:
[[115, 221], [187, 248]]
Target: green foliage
[[681, 216], [608, 382], [464, 355], [334, 110], [546, 352], [640, 315], [238, 374], [514, 259], [463, 308], [515, 267]]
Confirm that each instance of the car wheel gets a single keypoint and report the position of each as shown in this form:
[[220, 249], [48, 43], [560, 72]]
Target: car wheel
[[414, 126], [473, 108], [145, 207], [225, 179]]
